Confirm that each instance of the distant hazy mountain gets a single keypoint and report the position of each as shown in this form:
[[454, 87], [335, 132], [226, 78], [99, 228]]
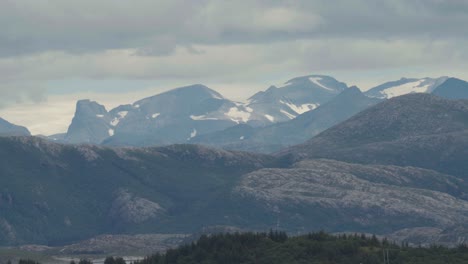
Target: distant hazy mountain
[[405, 86], [91, 123], [175, 117], [420, 130], [452, 88], [9, 129], [296, 97], [178, 115], [170, 117], [295, 131]]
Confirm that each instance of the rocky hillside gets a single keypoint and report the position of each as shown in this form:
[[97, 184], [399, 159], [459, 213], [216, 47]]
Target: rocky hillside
[[52, 193], [419, 130], [332, 195]]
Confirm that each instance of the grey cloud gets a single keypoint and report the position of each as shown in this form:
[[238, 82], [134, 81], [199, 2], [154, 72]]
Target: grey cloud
[[207, 40], [93, 26]]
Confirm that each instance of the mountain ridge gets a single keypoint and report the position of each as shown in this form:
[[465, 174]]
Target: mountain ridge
[[9, 129]]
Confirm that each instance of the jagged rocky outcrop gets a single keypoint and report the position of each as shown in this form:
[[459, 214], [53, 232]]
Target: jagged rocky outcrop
[[91, 123]]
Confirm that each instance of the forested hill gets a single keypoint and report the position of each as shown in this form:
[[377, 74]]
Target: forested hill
[[277, 247]]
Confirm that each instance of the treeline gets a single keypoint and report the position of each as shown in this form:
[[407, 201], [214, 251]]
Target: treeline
[[314, 248], [108, 260], [320, 247]]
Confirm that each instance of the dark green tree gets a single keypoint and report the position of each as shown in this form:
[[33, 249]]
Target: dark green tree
[[109, 260]]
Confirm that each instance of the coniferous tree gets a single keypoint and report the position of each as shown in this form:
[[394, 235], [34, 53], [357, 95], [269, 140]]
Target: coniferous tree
[[120, 260], [85, 261], [109, 260]]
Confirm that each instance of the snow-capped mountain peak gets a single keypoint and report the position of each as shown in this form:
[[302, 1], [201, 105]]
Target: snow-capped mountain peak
[[171, 116]]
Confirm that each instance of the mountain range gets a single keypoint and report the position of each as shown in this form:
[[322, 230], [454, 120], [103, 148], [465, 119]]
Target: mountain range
[[283, 134], [178, 115], [395, 167], [200, 115]]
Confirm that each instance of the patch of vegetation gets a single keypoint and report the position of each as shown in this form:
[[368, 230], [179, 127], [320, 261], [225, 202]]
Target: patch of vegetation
[[277, 247]]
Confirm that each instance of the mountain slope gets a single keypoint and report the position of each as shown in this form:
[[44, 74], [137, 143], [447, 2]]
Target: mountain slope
[[405, 86], [296, 131], [452, 88], [52, 193], [176, 116], [296, 97], [337, 196], [9, 129], [170, 117], [413, 130]]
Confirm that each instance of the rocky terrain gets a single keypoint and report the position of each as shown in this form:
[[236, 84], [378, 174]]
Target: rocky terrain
[[364, 197], [53, 193]]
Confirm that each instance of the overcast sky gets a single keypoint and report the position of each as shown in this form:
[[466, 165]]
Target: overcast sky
[[53, 52]]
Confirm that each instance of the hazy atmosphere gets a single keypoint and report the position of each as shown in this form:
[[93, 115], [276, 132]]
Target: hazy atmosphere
[[55, 52]]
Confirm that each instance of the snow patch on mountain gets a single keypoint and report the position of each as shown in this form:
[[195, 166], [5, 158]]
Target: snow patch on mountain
[[316, 81], [405, 86], [115, 121], [192, 134], [237, 115], [270, 118], [290, 116], [122, 114], [202, 117], [300, 109], [411, 87]]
